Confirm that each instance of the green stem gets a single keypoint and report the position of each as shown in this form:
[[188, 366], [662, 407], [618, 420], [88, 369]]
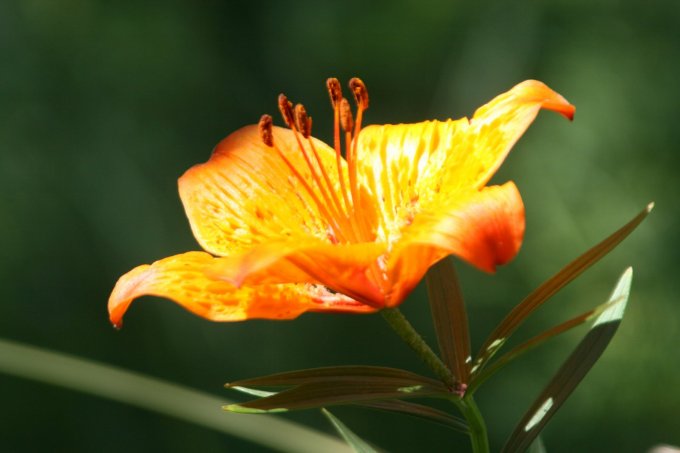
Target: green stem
[[466, 404], [405, 330], [476, 425]]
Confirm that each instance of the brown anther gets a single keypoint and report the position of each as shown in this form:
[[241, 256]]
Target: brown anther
[[265, 128], [360, 92], [286, 109], [346, 119], [302, 121], [334, 90]]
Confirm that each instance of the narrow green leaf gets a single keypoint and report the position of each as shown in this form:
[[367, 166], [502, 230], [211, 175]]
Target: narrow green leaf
[[536, 341], [537, 446], [159, 396], [334, 392], [357, 443], [420, 411], [450, 318], [367, 374], [544, 292], [240, 409], [573, 370], [252, 392]]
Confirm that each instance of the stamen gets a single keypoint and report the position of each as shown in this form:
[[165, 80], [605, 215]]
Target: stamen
[[304, 125], [265, 128], [347, 123], [346, 119], [334, 90], [286, 109], [360, 92], [298, 121], [343, 219], [302, 121], [361, 97], [334, 197], [335, 93]]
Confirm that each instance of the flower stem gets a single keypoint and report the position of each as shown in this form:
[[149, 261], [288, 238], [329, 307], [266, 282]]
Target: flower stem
[[478, 435], [466, 404], [411, 337]]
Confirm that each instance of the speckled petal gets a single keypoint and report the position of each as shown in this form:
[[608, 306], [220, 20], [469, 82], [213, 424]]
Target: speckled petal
[[185, 280]]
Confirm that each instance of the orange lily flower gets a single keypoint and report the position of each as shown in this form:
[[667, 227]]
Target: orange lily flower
[[290, 225]]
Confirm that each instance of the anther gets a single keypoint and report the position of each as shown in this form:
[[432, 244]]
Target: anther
[[346, 120], [265, 128], [302, 121], [360, 92], [286, 109], [334, 90]]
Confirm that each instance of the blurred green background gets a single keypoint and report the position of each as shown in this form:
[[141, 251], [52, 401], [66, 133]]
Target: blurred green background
[[104, 104]]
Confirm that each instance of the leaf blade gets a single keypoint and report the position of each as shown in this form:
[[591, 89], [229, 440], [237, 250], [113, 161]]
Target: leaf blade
[[550, 287], [159, 396], [536, 341], [449, 318], [357, 443], [419, 411], [329, 393], [574, 369], [349, 373]]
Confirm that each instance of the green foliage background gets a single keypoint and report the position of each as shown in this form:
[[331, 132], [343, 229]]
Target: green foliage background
[[104, 104]]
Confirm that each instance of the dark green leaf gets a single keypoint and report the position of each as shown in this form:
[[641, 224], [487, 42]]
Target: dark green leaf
[[544, 292], [333, 392], [450, 318], [420, 411], [573, 370], [373, 374], [357, 443]]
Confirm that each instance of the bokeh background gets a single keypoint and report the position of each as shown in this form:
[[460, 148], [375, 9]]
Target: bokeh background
[[104, 104]]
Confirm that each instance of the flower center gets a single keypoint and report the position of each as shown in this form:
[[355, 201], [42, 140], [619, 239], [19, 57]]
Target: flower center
[[340, 205]]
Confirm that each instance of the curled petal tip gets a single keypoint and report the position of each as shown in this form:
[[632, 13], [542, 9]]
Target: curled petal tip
[[124, 292], [116, 316], [535, 91], [565, 109]]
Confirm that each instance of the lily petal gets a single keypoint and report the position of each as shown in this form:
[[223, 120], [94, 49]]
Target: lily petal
[[484, 228], [186, 279], [294, 233], [406, 167], [246, 194], [343, 268], [498, 125]]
